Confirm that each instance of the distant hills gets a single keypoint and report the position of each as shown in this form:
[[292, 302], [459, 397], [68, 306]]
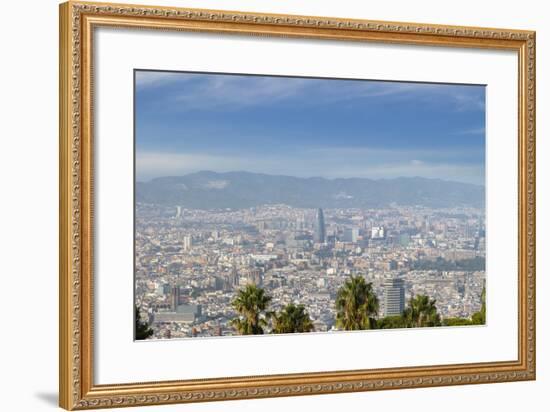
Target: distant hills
[[211, 190]]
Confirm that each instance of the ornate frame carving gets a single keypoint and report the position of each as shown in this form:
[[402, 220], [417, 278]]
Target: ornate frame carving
[[77, 21]]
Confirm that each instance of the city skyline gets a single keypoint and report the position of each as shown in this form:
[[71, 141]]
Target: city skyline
[[191, 265], [188, 122], [269, 205]]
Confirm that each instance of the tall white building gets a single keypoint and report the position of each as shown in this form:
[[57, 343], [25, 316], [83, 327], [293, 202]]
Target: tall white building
[[377, 232], [187, 243]]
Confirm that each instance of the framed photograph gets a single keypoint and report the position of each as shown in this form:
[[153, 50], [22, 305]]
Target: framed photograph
[[257, 205]]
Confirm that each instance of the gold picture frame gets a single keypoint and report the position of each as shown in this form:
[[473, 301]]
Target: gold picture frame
[[76, 385]]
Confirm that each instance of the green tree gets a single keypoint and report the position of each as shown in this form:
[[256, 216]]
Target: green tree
[[143, 331], [292, 319], [478, 318], [356, 305], [440, 264], [421, 312], [457, 322], [391, 322], [251, 304]]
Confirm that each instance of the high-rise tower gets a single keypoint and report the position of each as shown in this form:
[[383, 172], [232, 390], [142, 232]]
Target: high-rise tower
[[175, 298], [187, 243], [351, 235], [394, 297], [320, 233]]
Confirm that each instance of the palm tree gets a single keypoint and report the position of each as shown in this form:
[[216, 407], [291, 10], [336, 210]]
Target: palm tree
[[143, 331], [251, 304], [422, 312], [356, 305], [292, 319], [391, 322]]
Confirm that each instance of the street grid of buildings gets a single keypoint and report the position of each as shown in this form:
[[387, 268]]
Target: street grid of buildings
[[190, 263]]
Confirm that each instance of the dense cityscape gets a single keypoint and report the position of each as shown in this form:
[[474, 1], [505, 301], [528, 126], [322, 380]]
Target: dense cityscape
[[191, 263]]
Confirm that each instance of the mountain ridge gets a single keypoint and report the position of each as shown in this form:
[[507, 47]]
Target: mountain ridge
[[241, 189]]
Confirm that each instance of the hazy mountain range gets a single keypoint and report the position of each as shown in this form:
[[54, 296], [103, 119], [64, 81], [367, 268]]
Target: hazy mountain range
[[211, 190]]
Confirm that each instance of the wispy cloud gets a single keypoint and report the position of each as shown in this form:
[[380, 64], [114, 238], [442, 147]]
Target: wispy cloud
[[156, 164], [446, 171], [194, 91], [375, 154], [468, 101], [379, 163], [307, 127], [152, 79], [472, 131], [232, 92]]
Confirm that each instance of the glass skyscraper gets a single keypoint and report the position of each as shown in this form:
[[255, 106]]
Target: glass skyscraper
[[320, 232], [394, 297]]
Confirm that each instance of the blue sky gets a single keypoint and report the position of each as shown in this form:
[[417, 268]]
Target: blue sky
[[187, 122]]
